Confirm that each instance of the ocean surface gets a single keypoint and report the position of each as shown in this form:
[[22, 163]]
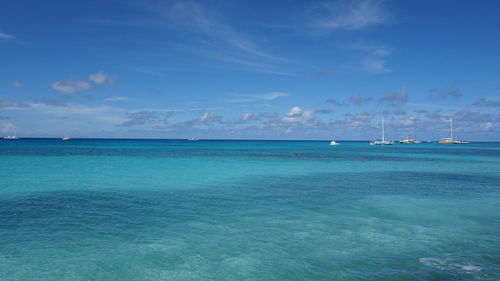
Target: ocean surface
[[248, 210]]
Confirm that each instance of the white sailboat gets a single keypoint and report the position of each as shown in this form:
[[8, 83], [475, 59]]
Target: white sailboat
[[12, 137], [450, 140], [66, 138], [382, 141]]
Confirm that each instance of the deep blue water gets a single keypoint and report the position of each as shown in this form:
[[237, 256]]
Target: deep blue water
[[248, 210]]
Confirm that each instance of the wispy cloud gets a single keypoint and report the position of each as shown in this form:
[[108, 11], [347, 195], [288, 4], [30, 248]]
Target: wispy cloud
[[487, 102], [373, 58], [17, 84], [206, 32], [350, 15], [117, 99], [324, 73], [100, 78], [13, 105], [257, 116], [70, 86], [359, 100], [261, 97], [453, 94], [8, 127], [397, 98], [210, 26], [5, 36], [210, 118], [334, 102], [139, 118]]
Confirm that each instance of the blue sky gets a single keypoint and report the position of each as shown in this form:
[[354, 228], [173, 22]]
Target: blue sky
[[250, 69]]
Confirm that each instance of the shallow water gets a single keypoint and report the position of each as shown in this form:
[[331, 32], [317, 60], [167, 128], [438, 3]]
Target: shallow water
[[248, 210]]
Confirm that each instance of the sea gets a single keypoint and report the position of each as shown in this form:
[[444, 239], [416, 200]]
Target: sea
[[113, 209]]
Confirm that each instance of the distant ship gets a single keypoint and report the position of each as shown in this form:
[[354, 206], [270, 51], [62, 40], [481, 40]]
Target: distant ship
[[193, 139], [450, 140], [410, 140], [382, 141], [66, 138], [13, 137], [334, 143]]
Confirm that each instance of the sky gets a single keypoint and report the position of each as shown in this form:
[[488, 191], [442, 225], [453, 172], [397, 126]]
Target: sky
[[250, 69]]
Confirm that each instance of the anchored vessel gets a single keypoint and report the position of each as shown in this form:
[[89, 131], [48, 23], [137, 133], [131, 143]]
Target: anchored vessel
[[450, 140], [382, 141], [66, 138], [410, 140]]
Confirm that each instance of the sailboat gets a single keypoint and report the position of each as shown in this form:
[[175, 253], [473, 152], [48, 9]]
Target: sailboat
[[12, 137], [66, 138], [450, 139], [382, 141]]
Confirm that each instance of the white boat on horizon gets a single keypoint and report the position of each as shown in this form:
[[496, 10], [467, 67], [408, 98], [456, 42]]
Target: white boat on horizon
[[66, 138], [450, 140], [334, 143], [382, 141], [409, 140], [13, 137]]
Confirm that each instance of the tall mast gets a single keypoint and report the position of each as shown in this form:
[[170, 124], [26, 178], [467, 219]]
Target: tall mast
[[383, 135], [451, 127]]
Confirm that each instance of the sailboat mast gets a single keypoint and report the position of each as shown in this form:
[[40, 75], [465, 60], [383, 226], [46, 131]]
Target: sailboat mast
[[451, 127], [383, 133]]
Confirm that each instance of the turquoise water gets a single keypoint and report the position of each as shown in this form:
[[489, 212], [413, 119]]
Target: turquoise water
[[248, 210]]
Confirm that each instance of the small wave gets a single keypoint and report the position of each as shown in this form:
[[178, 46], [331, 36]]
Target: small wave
[[445, 264]]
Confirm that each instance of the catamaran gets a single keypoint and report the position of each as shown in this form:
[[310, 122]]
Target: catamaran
[[382, 141], [450, 140]]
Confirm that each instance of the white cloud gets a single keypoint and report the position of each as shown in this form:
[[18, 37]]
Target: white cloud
[[101, 78], [8, 127], [73, 86], [352, 15], [70, 86], [210, 117], [17, 84], [299, 115]]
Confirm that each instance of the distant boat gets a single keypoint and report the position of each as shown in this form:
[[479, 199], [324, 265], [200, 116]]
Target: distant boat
[[410, 140], [66, 138], [382, 141], [334, 143], [13, 137], [450, 140], [193, 139]]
